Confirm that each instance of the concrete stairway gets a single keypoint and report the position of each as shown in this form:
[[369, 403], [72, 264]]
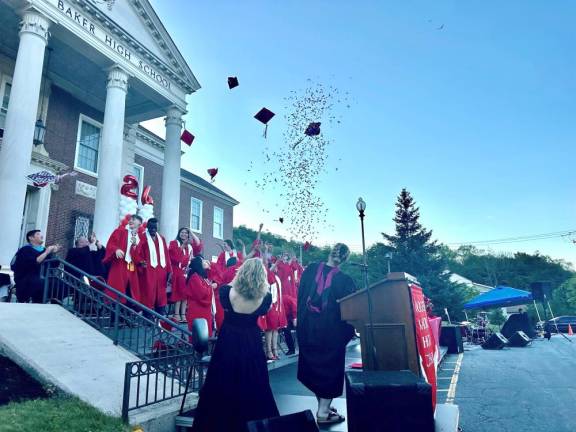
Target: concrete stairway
[[57, 348]]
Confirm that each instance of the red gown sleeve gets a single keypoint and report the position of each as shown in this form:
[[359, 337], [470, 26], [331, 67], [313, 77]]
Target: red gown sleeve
[[197, 247], [221, 261], [175, 253], [111, 246]]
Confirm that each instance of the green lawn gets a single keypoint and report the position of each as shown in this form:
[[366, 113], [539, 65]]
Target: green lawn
[[59, 414]]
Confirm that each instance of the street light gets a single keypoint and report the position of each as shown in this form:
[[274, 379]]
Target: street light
[[361, 207]]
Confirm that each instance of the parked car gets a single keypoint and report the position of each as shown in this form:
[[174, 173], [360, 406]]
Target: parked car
[[562, 323]]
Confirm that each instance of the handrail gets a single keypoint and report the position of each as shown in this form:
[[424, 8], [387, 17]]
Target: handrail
[[122, 308]]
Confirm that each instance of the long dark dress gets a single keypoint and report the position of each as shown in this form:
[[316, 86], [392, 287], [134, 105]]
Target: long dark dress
[[322, 335], [237, 387]]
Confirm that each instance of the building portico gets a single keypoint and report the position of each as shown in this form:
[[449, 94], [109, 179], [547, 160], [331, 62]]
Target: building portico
[[120, 67]]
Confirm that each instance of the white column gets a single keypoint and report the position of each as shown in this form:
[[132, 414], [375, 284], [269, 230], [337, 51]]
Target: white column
[[19, 130], [106, 214], [170, 210]]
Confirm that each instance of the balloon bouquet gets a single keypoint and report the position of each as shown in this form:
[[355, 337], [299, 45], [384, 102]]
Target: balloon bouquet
[[129, 202]]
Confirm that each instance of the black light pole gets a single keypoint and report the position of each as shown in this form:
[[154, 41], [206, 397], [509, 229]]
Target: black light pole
[[361, 207]]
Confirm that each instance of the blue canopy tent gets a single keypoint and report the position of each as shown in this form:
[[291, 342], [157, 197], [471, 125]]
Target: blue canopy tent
[[501, 296]]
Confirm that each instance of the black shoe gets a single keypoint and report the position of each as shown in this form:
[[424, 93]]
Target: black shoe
[[291, 352]]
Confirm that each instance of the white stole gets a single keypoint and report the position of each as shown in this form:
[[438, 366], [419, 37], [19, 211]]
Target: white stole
[[276, 290], [127, 256], [152, 249]]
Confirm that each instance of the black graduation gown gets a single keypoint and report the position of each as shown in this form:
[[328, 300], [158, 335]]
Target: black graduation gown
[[237, 387], [322, 337], [87, 260], [27, 274]]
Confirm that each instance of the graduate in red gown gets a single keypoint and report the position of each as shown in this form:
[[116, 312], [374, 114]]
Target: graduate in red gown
[[224, 278], [229, 251], [200, 293], [181, 253], [276, 316], [285, 271], [122, 254], [155, 267]]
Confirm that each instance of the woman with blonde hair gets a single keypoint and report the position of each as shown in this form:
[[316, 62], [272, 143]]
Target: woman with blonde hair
[[237, 388]]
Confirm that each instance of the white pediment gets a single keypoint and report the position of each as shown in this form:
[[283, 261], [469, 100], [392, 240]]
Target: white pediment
[[139, 20]]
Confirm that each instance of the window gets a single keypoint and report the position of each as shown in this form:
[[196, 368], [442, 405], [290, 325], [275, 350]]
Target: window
[[218, 223], [5, 90], [138, 172], [81, 227], [88, 148], [196, 215]]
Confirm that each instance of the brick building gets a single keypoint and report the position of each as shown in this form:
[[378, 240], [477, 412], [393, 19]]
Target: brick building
[[76, 79]]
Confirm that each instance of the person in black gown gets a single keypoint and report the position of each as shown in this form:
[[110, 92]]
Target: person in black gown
[[322, 335], [237, 388]]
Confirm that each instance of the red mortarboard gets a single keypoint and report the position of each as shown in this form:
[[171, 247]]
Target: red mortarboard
[[187, 137], [264, 116], [232, 82], [212, 173], [313, 129]]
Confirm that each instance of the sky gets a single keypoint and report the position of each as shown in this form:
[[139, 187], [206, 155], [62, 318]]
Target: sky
[[470, 105]]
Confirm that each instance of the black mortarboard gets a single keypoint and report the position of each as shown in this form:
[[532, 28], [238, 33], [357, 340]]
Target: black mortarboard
[[264, 116], [313, 129], [232, 82]]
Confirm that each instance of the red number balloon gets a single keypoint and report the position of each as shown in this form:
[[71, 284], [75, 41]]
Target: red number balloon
[[127, 189], [146, 197]]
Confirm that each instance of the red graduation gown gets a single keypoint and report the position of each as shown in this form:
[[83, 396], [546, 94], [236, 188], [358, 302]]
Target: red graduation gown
[[122, 274], [276, 316], [199, 294], [179, 258], [153, 280]]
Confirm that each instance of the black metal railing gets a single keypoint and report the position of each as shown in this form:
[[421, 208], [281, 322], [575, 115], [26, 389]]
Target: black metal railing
[[152, 381], [127, 322]]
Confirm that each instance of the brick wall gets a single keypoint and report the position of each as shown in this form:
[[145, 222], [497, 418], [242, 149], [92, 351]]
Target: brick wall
[[60, 142]]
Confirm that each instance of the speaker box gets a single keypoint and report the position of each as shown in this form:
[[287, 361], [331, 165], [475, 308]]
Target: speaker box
[[302, 422], [539, 289], [388, 401], [496, 341], [451, 337], [519, 339]]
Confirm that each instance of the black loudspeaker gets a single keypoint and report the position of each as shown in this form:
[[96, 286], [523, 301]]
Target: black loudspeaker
[[540, 289], [302, 422], [496, 341], [388, 401], [451, 337], [519, 339]]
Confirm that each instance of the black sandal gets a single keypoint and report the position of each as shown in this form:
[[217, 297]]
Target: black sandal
[[332, 418]]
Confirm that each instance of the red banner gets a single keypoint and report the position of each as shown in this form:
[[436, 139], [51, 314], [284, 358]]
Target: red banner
[[425, 339]]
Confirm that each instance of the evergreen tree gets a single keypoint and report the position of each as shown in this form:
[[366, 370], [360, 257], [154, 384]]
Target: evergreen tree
[[414, 252]]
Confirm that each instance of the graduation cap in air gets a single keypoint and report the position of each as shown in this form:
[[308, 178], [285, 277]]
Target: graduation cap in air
[[232, 82], [313, 129], [264, 116], [281, 220], [187, 137], [212, 173]]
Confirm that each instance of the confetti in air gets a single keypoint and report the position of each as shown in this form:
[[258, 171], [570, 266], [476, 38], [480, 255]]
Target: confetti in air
[[295, 168]]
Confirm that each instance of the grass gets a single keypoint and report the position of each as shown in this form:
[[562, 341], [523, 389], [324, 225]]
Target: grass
[[58, 414]]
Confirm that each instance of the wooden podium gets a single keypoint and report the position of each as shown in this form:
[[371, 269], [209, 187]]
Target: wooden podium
[[393, 319]]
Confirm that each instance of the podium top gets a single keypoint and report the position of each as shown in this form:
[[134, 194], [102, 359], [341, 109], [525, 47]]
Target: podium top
[[391, 277]]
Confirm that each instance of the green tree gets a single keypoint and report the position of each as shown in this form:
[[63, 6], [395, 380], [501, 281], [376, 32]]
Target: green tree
[[414, 252]]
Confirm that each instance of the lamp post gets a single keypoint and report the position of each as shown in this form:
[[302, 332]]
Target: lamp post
[[388, 257], [361, 207]]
